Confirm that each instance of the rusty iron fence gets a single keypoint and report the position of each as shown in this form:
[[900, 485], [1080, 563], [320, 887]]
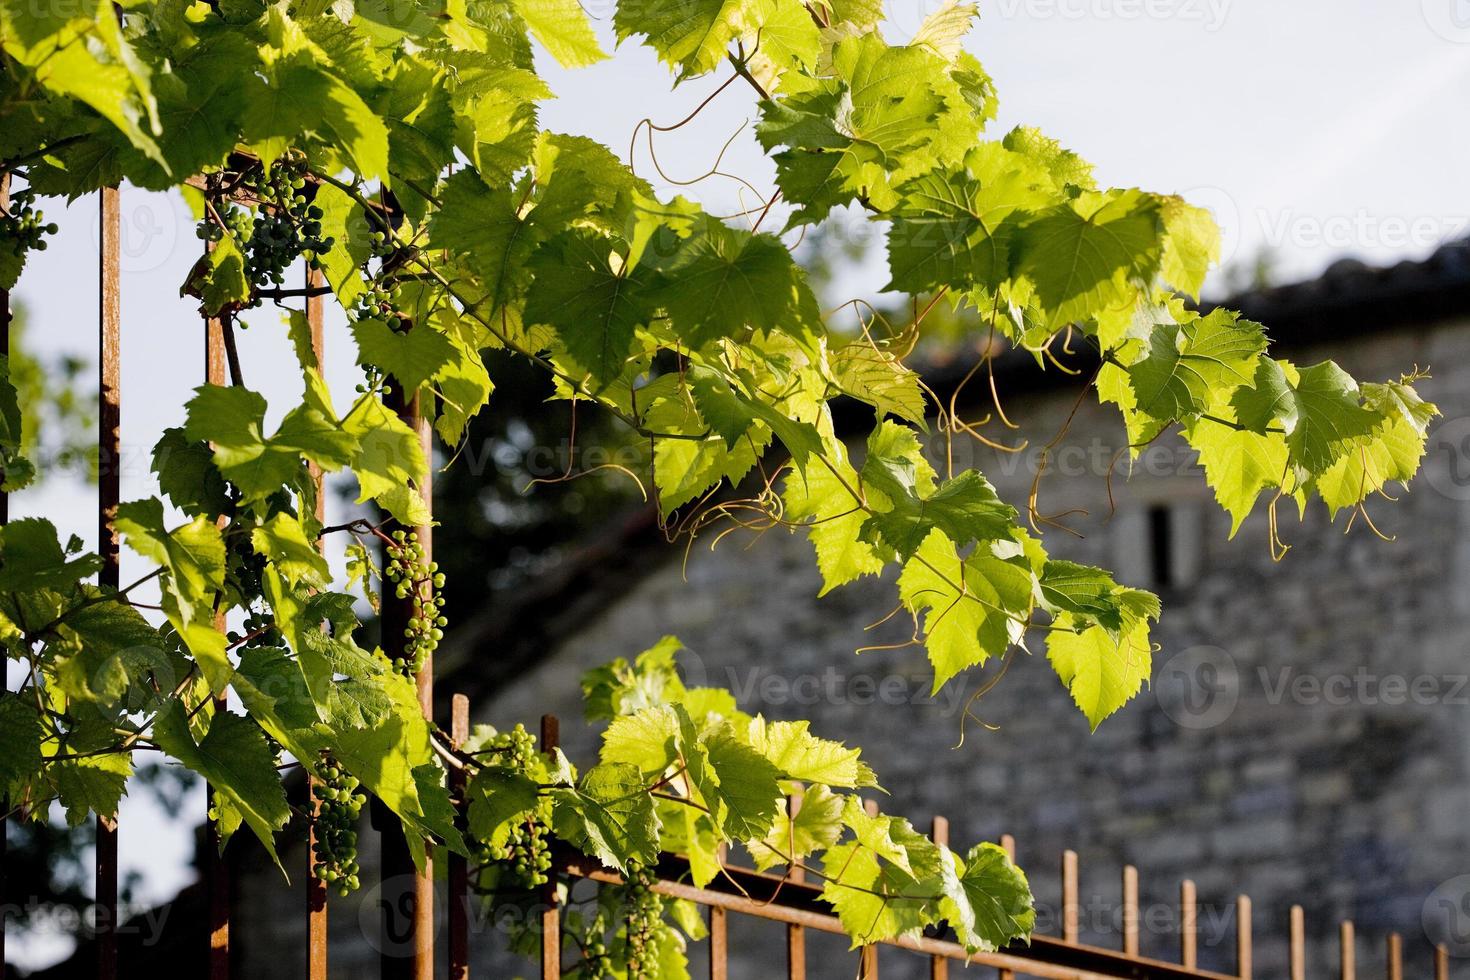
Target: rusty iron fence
[[788, 899]]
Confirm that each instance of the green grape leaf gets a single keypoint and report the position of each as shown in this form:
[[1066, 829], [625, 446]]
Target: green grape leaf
[[1319, 408], [956, 229], [609, 816], [972, 608], [1238, 464], [800, 755], [234, 757], [989, 902], [562, 28], [1085, 256], [282, 541], [595, 302], [219, 279], [1188, 363], [94, 784], [966, 508], [1104, 669], [816, 826], [21, 732], [412, 356], [187, 474], [193, 560], [822, 498], [31, 557]]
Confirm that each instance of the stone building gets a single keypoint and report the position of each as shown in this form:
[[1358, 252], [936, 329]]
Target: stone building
[[1306, 738]]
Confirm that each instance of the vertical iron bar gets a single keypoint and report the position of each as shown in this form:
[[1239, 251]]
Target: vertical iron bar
[[719, 944], [1244, 954], [1130, 910], [1007, 844], [795, 935], [459, 871], [396, 613], [4, 519], [1069, 896], [316, 889], [868, 955], [1441, 962], [108, 455], [1395, 956], [1347, 960], [939, 965], [1298, 943], [550, 913], [216, 869], [1188, 925]]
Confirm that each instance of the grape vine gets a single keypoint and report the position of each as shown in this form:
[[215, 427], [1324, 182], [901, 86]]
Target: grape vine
[[403, 165]]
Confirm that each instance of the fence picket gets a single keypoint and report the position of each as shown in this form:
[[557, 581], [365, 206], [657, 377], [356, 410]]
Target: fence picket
[[1130, 910], [1298, 943], [1347, 958], [551, 912], [1188, 925], [1069, 896], [939, 965], [109, 452], [459, 871], [1243, 951], [795, 935], [316, 889], [1395, 956]]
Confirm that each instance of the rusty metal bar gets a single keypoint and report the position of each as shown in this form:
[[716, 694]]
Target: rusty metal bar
[[1069, 896], [777, 898], [868, 963], [316, 889], [795, 935], [1130, 910], [397, 861], [938, 965], [1244, 954], [1188, 924], [1298, 943], [109, 453], [1441, 962], [1007, 844], [4, 519], [1395, 956], [217, 872], [719, 944], [551, 911], [459, 870], [1347, 958]]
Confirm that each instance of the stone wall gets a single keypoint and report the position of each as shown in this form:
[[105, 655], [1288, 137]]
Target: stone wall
[[1304, 739]]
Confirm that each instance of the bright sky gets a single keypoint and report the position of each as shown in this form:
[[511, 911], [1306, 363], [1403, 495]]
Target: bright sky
[[1316, 128]]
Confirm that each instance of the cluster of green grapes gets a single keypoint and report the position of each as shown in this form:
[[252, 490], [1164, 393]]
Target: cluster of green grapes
[[597, 961], [376, 303], [336, 825], [412, 577], [525, 851], [287, 225], [23, 228], [644, 910], [236, 221]]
